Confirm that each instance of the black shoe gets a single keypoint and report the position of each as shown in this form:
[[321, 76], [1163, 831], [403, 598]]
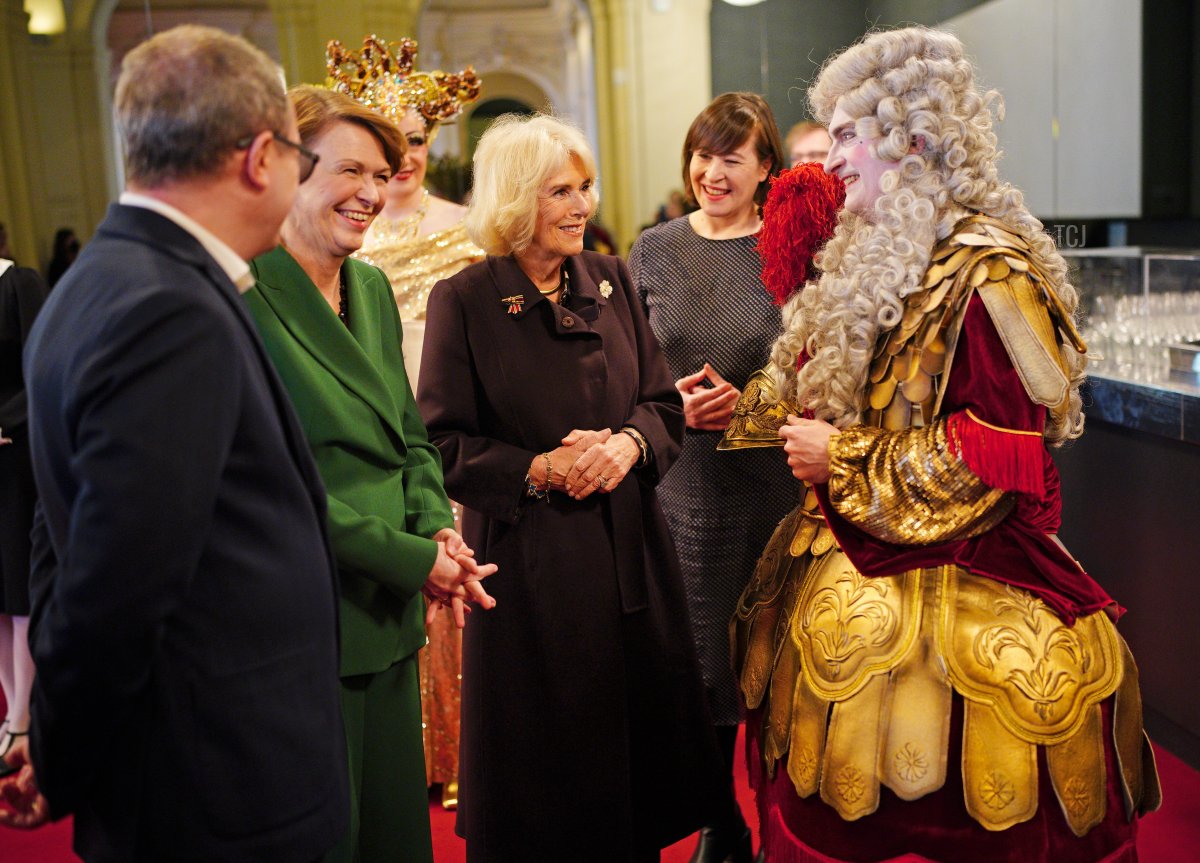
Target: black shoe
[[717, 846]]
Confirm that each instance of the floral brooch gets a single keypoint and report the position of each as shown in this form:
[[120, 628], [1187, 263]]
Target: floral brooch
[[605, 289]]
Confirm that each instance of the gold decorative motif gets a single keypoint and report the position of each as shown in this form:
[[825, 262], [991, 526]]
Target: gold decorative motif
[[1000, 781], [1078, 774], [856, 621], [764, 610], [803, 765], [1135, 759], [997, 791], [850, 784], [1077, 796], [850, 780], [757, 416], [849, 627], [1032, 644], [1007, 649], [810, 726], [911, 763], [823, 540], [806, 531]]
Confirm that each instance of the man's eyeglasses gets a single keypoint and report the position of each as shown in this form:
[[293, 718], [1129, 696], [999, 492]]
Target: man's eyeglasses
[[308, 159]]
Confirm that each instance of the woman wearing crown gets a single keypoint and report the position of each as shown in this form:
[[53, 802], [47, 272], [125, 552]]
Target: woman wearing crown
[[417, 239]]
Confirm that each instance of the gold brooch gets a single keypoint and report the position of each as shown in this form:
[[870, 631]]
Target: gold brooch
[[514, 303], [605, 289]]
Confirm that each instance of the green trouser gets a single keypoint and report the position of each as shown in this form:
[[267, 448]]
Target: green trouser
[[389, 801]]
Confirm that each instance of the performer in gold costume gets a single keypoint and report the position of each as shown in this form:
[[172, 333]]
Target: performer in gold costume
[[417, 240], [929, 670]]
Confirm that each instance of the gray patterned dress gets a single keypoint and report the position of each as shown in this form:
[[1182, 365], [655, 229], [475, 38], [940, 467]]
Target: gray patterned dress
[[706, 302]]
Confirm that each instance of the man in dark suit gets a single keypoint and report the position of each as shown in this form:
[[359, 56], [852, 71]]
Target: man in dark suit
[[184, 599]]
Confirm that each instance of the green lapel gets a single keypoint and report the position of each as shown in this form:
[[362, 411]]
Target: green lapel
[[353, 356]]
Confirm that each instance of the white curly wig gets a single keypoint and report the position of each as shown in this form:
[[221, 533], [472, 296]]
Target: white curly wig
[[900, 86]]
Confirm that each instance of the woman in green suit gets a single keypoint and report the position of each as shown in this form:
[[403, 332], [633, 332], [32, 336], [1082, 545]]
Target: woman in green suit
[[332, 329]]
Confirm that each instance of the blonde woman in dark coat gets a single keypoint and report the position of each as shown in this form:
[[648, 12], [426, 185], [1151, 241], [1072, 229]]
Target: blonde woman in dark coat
[[585, 735]]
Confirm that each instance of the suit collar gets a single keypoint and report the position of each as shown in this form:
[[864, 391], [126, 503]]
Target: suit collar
[[149, 228], [353, 356], [230, 261]]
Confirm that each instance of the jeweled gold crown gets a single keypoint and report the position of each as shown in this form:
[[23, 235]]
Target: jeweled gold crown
[[381, 76]]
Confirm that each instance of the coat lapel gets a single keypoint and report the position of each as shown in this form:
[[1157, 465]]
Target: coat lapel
[[346, 354]]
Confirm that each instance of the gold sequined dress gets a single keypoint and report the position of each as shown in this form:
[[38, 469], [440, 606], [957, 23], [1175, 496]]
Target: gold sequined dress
[[414, 264], [917, 651]]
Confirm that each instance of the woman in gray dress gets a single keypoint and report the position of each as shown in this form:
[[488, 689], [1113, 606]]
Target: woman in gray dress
[[699, 278]]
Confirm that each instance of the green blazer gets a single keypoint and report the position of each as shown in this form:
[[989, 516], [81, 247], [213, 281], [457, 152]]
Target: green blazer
[[382, 477]]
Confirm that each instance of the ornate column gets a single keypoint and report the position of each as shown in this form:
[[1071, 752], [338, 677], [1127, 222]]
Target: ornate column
[[301, 46], [612, 26], [652, 78]]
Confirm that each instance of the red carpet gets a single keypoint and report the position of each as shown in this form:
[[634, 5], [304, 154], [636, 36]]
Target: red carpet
[[1171, 835]]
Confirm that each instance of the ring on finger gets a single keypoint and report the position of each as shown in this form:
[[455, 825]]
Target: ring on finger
[[602, 482]]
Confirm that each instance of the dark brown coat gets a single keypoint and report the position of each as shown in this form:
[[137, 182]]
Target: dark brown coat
[[584, 731]]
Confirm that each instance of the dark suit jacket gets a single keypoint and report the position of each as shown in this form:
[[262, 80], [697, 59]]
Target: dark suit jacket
[[184, 630], [384, 478]]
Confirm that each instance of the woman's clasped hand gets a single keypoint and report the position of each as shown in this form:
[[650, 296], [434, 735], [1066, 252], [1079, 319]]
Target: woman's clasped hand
[[454, 580]]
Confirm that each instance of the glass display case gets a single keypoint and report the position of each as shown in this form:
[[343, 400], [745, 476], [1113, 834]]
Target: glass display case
[[1140, 317], [1140, 314]]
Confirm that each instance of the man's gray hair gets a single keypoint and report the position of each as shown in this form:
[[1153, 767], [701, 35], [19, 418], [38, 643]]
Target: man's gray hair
[[186, 96]]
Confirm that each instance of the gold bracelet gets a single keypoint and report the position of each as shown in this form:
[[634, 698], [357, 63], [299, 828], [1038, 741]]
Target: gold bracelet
[[549, 472]]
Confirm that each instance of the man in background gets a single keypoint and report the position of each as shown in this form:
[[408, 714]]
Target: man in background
[[806, 142]]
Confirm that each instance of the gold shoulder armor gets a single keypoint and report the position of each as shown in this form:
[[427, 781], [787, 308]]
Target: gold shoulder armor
[[758, 415], [984, 255]]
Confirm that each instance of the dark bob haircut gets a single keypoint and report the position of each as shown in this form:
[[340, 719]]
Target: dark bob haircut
[[729, 121]]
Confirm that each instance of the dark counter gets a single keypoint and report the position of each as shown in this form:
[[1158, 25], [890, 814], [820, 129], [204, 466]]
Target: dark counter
[[1131, 515], [1171, 410]]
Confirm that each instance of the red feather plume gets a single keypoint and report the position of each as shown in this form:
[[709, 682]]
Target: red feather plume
[[798, 219]]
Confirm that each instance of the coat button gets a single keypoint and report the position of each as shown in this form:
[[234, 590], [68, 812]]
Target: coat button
[[568, 321]]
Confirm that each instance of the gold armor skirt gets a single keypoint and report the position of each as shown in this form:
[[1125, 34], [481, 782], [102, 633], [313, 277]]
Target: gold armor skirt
[[856, 676]]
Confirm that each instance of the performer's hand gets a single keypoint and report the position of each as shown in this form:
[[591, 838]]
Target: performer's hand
[[28, 808], [806, 443], [707, 408], [602, 467]]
